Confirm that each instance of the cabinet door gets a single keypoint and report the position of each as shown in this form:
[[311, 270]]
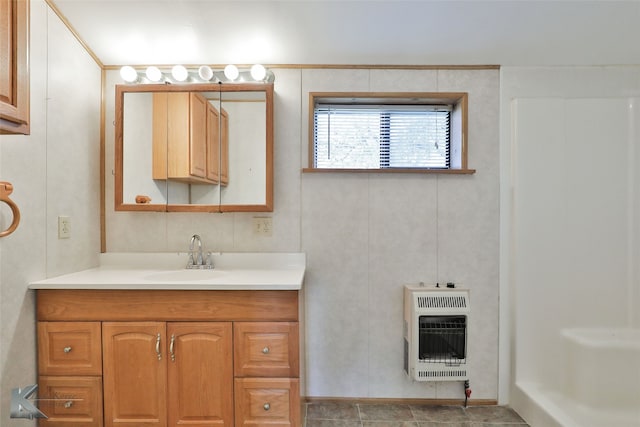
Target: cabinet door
[[134, 374], [14, 66], [198, 130], [213, 143], [200, 374], [224, 147], [160, 135]]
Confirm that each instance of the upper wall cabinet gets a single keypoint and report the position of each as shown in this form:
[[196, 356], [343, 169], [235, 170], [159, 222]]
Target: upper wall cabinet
[[194, 147], [14, 67]]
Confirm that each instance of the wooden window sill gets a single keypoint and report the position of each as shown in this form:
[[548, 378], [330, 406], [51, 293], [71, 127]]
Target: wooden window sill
[[393, 170]]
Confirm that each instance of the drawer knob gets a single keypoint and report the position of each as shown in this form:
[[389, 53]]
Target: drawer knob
[[67, 349], [68, 404], [266, 406], [265, 350]]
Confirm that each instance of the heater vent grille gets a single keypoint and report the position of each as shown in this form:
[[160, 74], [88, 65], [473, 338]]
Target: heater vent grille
[[442, 301], [442, 374]]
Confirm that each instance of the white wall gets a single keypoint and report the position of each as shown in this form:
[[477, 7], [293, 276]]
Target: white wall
[[569, 203], [54, 171], [365, 235]]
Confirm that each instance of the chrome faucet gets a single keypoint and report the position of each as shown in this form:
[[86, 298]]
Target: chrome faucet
[[196, 258]]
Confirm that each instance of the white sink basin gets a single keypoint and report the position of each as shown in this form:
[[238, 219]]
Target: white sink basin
[[259, 271]]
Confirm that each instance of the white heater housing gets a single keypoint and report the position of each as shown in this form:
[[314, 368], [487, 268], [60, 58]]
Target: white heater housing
[[435, 333]]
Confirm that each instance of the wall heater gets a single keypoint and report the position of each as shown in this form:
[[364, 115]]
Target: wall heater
[[435, 333]]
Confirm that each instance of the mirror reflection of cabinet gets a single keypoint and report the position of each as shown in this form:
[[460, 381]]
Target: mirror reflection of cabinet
[[194, 147], [217, 145], [187, 139]]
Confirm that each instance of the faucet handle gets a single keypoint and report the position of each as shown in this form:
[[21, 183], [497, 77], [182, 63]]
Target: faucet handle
[[209, 261]]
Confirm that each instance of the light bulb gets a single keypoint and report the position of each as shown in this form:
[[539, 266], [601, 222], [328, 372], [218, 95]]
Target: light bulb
[[205, 73], [179, 73], [128, 74], [258, 72], [154, 74], [231, 72]]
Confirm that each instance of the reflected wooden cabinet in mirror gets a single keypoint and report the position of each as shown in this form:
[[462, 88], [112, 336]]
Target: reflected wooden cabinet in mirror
[[186, 139], [194, 147]]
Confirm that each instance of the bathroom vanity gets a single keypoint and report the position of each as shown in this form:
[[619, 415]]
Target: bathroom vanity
[[159, 346]]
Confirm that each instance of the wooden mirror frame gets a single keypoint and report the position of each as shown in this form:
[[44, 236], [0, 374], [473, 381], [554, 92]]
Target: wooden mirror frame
[[121, 90]]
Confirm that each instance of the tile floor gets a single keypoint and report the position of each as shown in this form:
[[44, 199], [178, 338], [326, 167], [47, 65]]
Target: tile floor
[[345, 414]]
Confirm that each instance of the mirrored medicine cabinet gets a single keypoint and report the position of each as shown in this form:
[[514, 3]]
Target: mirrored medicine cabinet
[[194, 147]]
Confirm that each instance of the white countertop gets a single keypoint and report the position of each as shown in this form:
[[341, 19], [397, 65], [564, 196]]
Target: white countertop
[[166, 271]]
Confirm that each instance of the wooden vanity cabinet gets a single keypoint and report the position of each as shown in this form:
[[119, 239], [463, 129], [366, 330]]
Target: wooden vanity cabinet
[[170, 358]]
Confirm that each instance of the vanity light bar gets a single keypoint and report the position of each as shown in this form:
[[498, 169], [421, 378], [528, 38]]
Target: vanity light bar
[[204, 73]]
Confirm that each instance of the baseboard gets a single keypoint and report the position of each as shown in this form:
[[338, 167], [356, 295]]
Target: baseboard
[[399, 401]]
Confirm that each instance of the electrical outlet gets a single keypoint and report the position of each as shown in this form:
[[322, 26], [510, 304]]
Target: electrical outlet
[[64, 227], [263, 226]]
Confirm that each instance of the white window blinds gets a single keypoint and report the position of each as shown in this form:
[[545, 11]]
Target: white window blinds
[[381, 136]]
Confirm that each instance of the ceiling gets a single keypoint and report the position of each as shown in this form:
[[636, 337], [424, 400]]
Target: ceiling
[[391, 32]]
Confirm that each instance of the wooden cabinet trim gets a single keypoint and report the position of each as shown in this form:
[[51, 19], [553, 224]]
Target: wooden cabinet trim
[[172, 305], [14, 93]]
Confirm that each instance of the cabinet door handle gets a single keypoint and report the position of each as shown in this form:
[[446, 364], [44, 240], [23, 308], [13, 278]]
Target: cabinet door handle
[[266, 406], [68, 404], [173, 355], [67, 349], [265, 350], [158, 353]]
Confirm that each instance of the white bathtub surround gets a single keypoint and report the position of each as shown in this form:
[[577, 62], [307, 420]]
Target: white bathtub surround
[[603, 371], [570, 280], [600, 383]]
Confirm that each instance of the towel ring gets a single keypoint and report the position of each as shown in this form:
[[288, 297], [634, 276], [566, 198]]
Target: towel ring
[[6, 188]]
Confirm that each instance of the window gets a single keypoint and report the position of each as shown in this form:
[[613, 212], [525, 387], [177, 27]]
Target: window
[[387, 132]]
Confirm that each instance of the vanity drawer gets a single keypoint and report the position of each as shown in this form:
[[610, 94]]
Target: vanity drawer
[[70, 401], [69, 348], [267, 401], [266, 349]]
